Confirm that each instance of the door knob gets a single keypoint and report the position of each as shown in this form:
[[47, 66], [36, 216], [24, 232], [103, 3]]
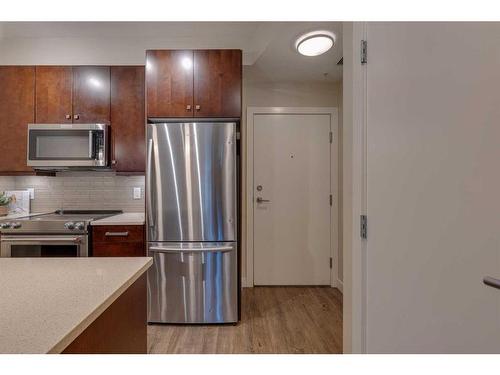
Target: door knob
[[188, 107], [68, 117], [76, 117], [491, 281], [261, 200], [198, 107]]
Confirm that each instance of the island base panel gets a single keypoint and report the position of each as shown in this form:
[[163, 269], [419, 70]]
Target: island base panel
[[121, 328]]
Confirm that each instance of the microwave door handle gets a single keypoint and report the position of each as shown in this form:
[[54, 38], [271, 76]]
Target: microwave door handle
[[92, 145]]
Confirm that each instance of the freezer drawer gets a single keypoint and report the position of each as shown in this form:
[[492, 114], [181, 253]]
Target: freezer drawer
[[193, 283]]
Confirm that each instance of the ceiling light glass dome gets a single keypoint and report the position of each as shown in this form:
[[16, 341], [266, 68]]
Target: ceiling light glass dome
[[315, 43]]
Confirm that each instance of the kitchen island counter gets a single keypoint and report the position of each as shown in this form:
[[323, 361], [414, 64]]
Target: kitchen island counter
[[49, 304]]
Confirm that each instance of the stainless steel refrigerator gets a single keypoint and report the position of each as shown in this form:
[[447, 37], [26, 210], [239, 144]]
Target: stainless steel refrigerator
[[191, 204]]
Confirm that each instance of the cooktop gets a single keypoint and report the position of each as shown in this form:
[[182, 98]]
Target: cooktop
[[60, 221]]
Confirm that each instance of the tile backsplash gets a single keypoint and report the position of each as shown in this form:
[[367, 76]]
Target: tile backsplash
[[80, 191]]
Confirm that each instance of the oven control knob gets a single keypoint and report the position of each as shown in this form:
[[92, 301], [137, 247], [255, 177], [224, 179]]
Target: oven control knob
[[5, 225], [80, 226], [69, 225], [16, 225]]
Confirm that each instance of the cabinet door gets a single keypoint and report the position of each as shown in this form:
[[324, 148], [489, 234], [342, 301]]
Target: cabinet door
[[118, 241], [53, 96], [128, 118], [169, 83], [91, 94], [17, 110], [217, 83]]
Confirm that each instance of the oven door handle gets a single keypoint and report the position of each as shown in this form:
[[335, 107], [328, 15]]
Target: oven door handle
[[41, 239]]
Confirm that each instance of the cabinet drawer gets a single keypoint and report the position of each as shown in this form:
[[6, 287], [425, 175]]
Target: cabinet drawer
[[118, 233], [123, 249]]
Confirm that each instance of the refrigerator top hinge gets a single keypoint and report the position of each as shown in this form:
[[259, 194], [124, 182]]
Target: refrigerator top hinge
[[363, 228], [331, 200], [331, 262], [331, 137], [364, 52]]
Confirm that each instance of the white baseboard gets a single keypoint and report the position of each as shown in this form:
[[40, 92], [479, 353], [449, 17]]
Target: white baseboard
[[244, 282], [339, 285]]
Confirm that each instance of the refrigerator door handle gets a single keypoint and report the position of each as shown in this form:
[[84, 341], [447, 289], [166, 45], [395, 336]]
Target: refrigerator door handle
[[149, 207], [212, 249]]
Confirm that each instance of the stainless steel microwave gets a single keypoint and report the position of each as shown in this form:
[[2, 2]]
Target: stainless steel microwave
[[61, 146]]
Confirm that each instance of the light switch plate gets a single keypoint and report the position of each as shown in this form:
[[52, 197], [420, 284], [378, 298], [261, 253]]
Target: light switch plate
[[137, 193], [32, 192]]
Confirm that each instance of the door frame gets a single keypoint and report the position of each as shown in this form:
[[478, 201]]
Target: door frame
[[355, 187], [249, 196]]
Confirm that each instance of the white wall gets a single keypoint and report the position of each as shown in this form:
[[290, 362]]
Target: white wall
[[290, 94], [119, 43]]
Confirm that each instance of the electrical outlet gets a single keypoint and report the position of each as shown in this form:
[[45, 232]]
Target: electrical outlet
[[137, 193], [32, 192]]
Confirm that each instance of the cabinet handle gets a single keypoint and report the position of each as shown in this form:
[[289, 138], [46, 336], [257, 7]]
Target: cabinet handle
[[68, 117], [198, 107], [188, 107], [116, 234], [76, 117]]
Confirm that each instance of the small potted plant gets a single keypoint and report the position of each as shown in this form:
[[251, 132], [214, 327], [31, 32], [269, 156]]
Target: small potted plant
[[4, 203]]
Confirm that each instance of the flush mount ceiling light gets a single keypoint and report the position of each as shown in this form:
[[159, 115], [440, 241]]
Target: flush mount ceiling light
[[315, 43]]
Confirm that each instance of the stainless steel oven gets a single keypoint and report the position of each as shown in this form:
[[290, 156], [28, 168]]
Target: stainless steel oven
[[22, 246], [60, 146]]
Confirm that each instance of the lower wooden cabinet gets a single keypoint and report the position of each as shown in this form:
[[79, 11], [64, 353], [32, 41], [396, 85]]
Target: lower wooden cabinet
[[118, 241]]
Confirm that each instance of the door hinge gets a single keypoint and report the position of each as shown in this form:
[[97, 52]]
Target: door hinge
[[363, 226], [364, 52], [331, 137], [331, 200], [331, 262]]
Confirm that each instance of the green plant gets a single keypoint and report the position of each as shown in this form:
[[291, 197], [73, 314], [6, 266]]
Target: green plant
[[4, 200]]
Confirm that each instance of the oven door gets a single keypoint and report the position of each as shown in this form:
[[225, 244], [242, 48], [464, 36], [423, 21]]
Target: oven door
[[67, 145], [35, 246]]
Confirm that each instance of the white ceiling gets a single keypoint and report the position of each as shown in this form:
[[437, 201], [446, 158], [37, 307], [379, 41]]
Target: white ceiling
[[268, 47]]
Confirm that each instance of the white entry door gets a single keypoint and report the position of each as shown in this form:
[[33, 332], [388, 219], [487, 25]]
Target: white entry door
[[433, 185], [291, 199]]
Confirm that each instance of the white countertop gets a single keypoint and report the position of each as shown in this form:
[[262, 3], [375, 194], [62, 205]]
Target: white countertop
[[45, 303], [127, 218]]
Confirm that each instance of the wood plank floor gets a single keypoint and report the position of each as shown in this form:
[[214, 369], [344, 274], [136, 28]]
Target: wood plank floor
[[274, 320]]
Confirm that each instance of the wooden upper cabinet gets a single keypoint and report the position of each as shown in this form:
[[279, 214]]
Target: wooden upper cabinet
[[53, 94], [128, 118], [200, 83], [169, 83], [17, 110], [217, 83], [91, 94]]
